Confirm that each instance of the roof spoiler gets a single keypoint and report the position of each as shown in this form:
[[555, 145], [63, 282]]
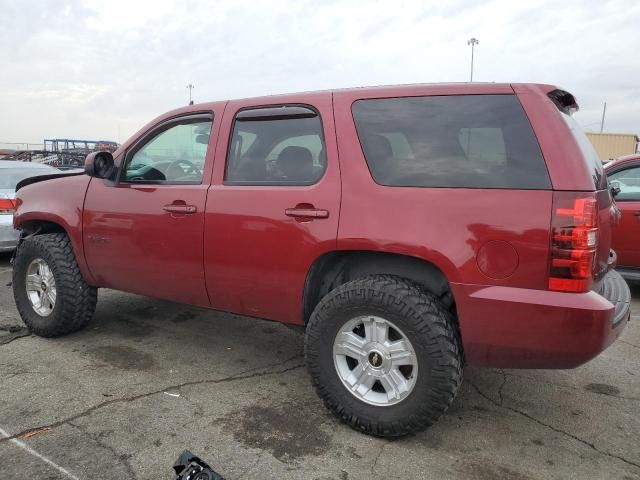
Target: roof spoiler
[[565, 101]]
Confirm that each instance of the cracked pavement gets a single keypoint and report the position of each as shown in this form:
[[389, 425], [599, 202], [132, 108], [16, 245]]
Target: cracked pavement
[[147, 379]]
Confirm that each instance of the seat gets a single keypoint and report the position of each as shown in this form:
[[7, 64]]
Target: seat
[[250, 170], [319, 166], [322, 157], [296, 164], [379, 156]]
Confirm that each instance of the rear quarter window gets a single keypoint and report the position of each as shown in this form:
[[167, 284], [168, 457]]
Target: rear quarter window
[[466, 141]]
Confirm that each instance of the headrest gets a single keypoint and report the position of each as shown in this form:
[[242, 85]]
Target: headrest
[[295, 154], [378, 146], [296, 163]]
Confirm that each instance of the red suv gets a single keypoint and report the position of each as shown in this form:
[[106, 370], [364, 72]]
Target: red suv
[[410, 229], [624, 178]]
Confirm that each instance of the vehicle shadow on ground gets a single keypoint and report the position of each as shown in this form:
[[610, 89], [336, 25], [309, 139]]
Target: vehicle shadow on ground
[[243, 379], [538, 411]]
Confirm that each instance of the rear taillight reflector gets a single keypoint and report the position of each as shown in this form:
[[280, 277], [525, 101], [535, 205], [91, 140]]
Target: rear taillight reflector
[[574, 238], [7, 206]]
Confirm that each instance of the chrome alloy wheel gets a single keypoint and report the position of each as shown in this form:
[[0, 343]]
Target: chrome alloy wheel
[[375, 360], [41, 287]]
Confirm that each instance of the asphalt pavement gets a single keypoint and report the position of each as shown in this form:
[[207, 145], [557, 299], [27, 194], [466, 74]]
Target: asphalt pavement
[[148, 378]]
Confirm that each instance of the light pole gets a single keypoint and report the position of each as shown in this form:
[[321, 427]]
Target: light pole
[[604, 112], [190, 87], [473, 41]]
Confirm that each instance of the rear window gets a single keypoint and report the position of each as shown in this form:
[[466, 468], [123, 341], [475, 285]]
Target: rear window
[[467, 141], [589, 153]]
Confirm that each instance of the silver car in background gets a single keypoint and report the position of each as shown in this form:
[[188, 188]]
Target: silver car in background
[[11, 172]]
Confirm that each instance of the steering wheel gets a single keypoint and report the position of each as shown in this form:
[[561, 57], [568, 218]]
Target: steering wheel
[[192, 169]]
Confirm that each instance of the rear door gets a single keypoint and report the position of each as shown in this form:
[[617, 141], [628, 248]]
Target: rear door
[[274, 204], [626, 234]]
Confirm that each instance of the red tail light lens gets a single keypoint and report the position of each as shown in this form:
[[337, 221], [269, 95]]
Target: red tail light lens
[[574, 238], [7, 206]]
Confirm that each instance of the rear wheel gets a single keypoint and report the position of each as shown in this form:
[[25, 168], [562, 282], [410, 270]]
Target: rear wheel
[[51, 296], [384, 355]]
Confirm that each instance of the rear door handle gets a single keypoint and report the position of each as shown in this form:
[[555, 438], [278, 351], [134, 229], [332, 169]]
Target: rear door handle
[[180, 208], [306, 213], [637, 214]]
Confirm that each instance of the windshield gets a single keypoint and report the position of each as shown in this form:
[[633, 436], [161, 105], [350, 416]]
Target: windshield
[[9, 177]]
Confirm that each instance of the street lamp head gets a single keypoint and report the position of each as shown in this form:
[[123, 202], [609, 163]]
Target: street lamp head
[[473, 41]]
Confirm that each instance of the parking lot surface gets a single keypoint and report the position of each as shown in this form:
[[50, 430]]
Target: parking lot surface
[[148, 378]]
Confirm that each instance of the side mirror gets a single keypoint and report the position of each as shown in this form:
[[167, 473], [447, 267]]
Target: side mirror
[[99, 165]]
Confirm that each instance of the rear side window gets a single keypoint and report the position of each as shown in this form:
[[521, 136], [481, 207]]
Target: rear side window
[[468, 141], [276, 146]]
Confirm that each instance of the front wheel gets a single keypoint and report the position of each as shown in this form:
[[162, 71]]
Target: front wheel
[[384, 355], [51, 296]]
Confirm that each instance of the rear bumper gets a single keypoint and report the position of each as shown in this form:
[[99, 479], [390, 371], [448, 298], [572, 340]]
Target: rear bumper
[[8, 235], [505, 327]]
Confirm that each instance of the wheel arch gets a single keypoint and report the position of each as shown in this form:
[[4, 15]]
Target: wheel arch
[[335, 268], [39, 226]]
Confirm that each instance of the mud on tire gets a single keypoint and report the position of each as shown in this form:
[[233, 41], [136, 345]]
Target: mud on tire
[[75, 300], [424, 321]]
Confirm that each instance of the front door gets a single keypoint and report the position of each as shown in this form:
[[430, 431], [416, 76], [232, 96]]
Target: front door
[[274, 209], [143, 233], [626, 235]]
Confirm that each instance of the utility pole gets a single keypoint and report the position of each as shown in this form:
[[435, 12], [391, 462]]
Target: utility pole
[[190, 87], [604, 112], [473, 41]]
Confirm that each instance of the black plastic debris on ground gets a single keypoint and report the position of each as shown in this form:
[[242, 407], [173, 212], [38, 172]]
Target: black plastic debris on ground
[[190, 467]]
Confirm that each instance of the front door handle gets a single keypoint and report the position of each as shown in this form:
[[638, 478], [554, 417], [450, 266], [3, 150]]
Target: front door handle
[[180, 208], [306, 212], [637, 214]]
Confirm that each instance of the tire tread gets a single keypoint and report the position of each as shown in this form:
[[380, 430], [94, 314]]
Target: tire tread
[[77, 298], [428, 317]]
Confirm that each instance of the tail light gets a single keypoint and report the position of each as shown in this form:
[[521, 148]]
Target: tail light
[[574, 239], [7, 206]]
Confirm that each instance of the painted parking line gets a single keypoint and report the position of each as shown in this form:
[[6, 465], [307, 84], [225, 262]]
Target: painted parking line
[[39, 456]]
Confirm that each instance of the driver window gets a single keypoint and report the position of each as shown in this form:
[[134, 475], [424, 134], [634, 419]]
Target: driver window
[[176, 155], [628, 181]]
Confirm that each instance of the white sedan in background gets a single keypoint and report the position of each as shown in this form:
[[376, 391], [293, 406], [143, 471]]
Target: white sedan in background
[[11, 172]]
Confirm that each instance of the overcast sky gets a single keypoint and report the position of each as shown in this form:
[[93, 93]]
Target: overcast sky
[[101, 69]]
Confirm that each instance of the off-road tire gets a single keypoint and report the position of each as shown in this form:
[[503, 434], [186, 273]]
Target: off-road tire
[[75, 300], [428, 325]]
